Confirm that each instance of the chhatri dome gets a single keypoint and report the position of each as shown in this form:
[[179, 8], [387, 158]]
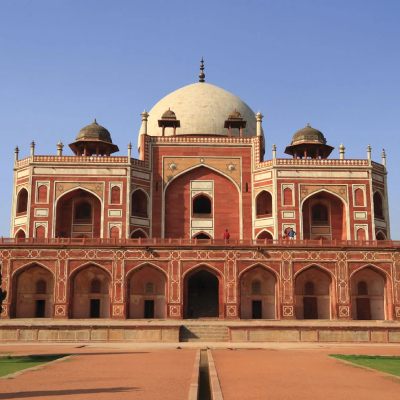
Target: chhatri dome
[[201, 109]]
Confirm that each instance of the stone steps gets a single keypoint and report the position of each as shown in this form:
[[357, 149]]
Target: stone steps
[[203, 333]]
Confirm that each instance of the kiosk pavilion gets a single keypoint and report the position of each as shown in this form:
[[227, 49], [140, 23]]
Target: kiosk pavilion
[[97, 235]]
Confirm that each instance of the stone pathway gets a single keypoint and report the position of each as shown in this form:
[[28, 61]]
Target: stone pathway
[[302, 375], [103, 374]]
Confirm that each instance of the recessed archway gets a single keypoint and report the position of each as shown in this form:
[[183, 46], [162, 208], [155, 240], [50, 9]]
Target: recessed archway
[[202, 294], [146, 293], [265, 235], [33, 292], [258, 294], [324, 217], [368, 294], [313, 294], [90, 293], [78, 214]]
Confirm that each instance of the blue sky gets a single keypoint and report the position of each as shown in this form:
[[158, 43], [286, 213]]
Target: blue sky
[[335, 64]]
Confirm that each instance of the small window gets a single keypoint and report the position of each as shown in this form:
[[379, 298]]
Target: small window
[[256, 287], [95, 286], [202, 206], [309, 288], [41, 286], [362, 288]]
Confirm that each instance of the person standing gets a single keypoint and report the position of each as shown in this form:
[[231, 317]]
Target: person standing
[[291, 234], [226, 235]]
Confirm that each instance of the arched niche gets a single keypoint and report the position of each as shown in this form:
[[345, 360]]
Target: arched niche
[[359, 197], [147, 288], [22, 201], [138, 233], [264, 204], [20, 234], [324, 217], [115, 195], [114, 232], [87, 302], [258, 294], [33, 292], [139, 204], [380, 236], [378, 206], [202, 235], [202, 293], [313, 294], [265, 235], [368, 294], [78, 214]]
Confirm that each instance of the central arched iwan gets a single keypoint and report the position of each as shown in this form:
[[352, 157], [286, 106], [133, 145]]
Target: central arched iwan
[[178, 204]]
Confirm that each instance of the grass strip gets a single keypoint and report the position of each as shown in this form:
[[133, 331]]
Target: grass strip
[[388, 364], [11, 364]]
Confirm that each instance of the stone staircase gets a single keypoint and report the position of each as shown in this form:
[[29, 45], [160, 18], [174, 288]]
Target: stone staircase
[[204, 333]]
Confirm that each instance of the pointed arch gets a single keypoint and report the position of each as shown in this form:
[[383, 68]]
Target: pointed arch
[[22, 201], [258, 292], [138, 233], [379, 211], [42, 193], [140, 202], [142, 302], [115, 195], [20, 234], [380, 235], [265, 234], [202, 235], [27, 301], [316, 303], [264, 204], [336, 227]]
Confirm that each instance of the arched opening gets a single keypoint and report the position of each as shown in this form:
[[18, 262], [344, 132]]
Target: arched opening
[[33, 290], [22, 201], [324, 217], [78, 214], [313, 294], [40, 232], [378, 206], [20, 234], [368, 294], [147, 293], [42, 194], [257, 294], [202, 294], [380, 236], [114, 232], [139, 204], [264, 204], [138, 233], [287, 197], [115, 195], [359, 197], [264, 235], [178, 204], [361, 234], [201, 235], [90, 293], [202, 207]]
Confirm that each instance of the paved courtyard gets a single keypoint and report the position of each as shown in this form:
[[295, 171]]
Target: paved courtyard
[[163, 371]]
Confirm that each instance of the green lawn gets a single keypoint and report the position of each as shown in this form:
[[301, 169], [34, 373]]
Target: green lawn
[[388, 364], [10, 364]]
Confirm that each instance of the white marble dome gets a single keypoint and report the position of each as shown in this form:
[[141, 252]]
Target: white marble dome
[[202, 109]]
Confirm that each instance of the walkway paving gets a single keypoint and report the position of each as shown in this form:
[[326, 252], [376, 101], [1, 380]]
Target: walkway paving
[[103, 373], [302, 374]]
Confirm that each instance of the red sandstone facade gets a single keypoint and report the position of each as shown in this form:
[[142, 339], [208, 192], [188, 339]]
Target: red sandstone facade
[[96, 235]]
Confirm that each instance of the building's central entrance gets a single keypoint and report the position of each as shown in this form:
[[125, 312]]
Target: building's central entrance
[[202, 295]]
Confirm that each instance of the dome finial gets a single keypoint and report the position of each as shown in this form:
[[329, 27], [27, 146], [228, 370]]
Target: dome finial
[[202, 75]]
